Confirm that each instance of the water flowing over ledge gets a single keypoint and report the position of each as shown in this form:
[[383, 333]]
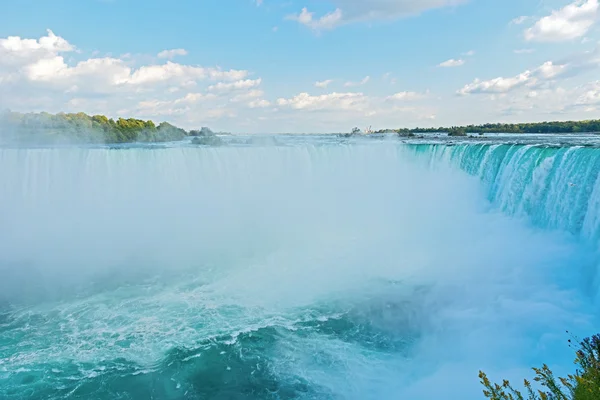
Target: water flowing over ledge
[[556, 187], [316, 270]]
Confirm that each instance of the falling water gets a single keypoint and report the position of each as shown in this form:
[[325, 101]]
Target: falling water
[[316, 270]]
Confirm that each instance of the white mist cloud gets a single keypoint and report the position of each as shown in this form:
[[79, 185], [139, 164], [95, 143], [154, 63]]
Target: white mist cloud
[[207, 244]]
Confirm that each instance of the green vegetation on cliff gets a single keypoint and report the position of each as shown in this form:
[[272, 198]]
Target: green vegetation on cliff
[[589, 126], [583, 385], [42, 128]]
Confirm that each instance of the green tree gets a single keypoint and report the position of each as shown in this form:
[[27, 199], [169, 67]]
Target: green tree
[[583, 385]]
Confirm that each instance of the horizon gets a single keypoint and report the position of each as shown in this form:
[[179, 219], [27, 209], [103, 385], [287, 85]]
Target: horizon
[[380, 130], [305, 67]]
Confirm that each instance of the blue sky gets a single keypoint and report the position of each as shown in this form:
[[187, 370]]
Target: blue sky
[[248, 66]]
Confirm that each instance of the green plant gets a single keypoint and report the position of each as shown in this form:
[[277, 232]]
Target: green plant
[[583, 385]]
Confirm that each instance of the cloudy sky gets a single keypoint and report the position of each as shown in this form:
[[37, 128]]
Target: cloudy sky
[[303, 65]]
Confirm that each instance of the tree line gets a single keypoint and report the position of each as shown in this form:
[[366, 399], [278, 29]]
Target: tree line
[[588, 126], [82, 128]]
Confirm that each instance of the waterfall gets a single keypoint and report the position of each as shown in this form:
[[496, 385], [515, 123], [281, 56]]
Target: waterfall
[[312, 270], [555, 187]]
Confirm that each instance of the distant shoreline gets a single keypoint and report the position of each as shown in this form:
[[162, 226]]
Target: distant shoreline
[[553, 127], [81, 128]]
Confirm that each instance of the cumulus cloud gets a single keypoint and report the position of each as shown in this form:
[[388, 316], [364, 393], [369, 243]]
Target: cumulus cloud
[[111, 74], [552, 101], [404, 96], [259, 103], [327, 21], [170, 54], [41, 63], [323, 84], [452, 63], [590, 94], [16, 51], [550, 70], [359, 104], [348, 11], [237, 85], [39, 74], [336, 101], [49, 74], [496, 85], [570, 22]]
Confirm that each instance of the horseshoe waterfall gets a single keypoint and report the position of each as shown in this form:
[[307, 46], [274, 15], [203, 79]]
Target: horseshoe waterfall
[[293, 268]]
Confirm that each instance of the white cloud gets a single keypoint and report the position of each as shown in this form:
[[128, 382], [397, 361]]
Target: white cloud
[[552, 101], [550, 70], [469, 53], [35, 74], [237, 85], [170, 70], [259, 103], [497, 85], [331, 101], [47, 74], [16, 52], [251, 95], [546, 72], [405, 96], [170, 54], [452, 63], [359, 106], [519, 20], [364, 81], [570, 22], [590, 95], [360, 10], [41, 62], [328, 21], [323, 84]]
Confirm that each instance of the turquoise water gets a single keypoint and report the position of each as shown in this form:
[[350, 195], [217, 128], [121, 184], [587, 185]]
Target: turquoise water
[[286, 267]]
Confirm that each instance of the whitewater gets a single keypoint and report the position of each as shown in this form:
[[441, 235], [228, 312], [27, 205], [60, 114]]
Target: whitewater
[[295, 267]]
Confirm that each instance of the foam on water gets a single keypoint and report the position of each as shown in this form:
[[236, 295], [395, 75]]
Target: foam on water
[[308, 271]]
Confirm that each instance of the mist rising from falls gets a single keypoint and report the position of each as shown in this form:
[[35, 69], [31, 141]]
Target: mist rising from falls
[[307, 271]]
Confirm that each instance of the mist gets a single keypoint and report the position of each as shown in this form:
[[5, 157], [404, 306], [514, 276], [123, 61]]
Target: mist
[[275, 234]]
